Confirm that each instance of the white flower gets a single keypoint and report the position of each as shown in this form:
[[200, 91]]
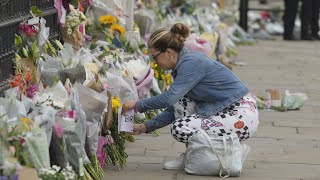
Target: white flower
[[51, 172], [69, 168], [56, 168], [136, 67]]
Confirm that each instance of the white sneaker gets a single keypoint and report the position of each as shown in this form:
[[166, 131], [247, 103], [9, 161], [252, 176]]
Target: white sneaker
[[176, 164], [245, 151]]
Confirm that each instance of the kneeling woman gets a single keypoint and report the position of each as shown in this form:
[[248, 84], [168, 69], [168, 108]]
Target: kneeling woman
[[204, 94]]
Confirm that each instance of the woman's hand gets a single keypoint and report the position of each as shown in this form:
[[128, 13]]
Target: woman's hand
[[138, 129], [128, 105]]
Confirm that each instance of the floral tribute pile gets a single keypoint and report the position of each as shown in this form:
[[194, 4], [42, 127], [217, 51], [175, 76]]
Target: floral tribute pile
[[60, 115]]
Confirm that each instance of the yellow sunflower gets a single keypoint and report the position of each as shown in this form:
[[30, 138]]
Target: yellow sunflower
[[118, 28], [107, 19]]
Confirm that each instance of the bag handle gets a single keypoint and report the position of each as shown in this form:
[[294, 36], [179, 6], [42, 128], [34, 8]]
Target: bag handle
[[223, 168]]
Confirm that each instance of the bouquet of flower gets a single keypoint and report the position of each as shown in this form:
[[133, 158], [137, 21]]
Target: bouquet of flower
[[74, 19], [17, 142], [70, 30], [33, 34], [24, 79], [115, 151], [57, 149]]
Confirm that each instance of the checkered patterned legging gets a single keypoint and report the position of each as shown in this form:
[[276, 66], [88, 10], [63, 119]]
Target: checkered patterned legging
[[241, 117]]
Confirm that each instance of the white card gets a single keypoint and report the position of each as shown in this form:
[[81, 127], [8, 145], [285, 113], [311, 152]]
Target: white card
[[125, 122], [34, 21]]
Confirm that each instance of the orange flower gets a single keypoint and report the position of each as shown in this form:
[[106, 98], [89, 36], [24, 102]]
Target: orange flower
[[15, 81]]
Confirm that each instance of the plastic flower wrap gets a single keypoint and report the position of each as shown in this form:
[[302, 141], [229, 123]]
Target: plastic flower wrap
[[58, 149], [74, 132], [56, 97], [37, 146], [118, 86], [45, 120], [93, 104]]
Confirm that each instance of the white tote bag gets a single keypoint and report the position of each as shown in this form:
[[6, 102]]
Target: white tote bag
[[213, 155]]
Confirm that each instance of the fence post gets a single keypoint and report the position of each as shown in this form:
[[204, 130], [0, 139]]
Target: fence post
[[243, 8]]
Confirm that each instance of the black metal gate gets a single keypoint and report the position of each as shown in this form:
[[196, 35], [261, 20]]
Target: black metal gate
[[12, 12]]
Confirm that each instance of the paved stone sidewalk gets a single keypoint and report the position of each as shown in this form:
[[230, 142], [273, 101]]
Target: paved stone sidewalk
[[287, 144]]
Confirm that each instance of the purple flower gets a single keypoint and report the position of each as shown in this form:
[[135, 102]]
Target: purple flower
[[31, 90]]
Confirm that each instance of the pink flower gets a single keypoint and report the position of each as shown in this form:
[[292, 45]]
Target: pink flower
[[27, 30], [58, 129], [100, 154], [71, 114]]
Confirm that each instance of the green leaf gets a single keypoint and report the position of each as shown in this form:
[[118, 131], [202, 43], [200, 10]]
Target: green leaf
[[36, 11], [106, 48], [108, 40], [17, 40]]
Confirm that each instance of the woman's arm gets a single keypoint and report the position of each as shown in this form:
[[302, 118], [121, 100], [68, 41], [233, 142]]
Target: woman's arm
[[163, 119], [189, 73]]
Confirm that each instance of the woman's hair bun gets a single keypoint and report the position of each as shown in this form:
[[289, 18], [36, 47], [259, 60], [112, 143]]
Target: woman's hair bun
[[180, 29]]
